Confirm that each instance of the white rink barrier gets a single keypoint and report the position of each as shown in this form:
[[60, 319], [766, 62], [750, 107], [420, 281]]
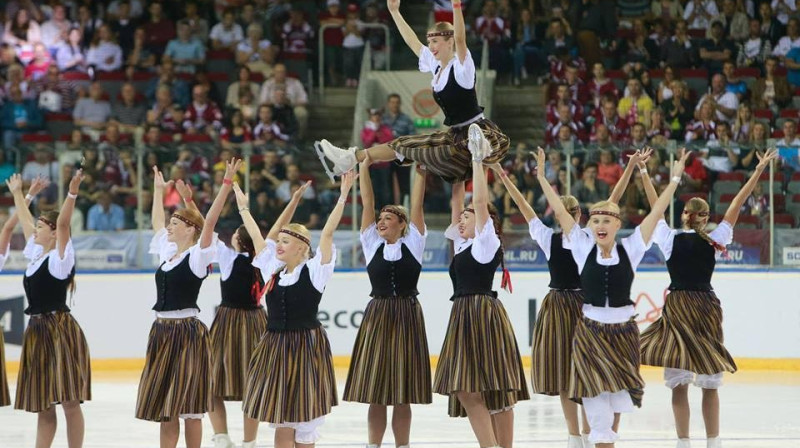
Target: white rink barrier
[[761, 309]]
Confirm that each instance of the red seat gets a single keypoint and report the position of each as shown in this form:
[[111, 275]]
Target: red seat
[[307, 177], [777, 133], [76, 76], [346, 220], [217, 76], [686, 196], [635, 219], [779, 202], [789, 113], [657, 73], [763, 113], [747, 72], [616, 74], [257, 77], [220, 54], [726, 198], [733, 175], [696, 33], [37, 138], [143, 76], [110, 76], [196, 138], [784, 218], [778, 176], [796, 176], [517, 219], [67, 137], [781, 71], [56, 116], [749, 219], [185, 76], [796, 198], [694, 72]]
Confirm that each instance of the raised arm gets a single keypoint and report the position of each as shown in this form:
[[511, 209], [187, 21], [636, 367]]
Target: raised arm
[[185, 190], [367, 194], [460, 31], [65, 216], [326, 238], [649, 188], [480, 193], [405, 29], [418, 199], [157, 215], [243, 203], [732, 215], [522, 203], [457, 203], [657, 211], [37, 186], [288, 212], [622, 184], [23, 212], [564, 218], [207, 235]]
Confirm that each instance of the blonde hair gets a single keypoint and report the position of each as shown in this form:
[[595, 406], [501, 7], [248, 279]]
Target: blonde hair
[[301, 230], [194, 217], [441, 26], [402, 211], [694, 206], [571, 204]]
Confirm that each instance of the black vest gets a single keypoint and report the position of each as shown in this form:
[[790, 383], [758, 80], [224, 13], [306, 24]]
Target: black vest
[[612, 282], [237, 289], [293, 307], [177, 288], [470, 277], [563, 269], [457, 103], [45, 292], [394, 278], [691, 263]]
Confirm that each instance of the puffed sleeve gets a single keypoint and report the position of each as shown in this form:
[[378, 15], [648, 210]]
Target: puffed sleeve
[[201, 258], [60, 267], [427, 61], [541, 234], [32, 251], [465, 71], [159, 245], [635, 247], [266, 259], [580, 242], [415, 241], [664, 236], [370, 241], [486, 242], [321, 273], [723, 234]]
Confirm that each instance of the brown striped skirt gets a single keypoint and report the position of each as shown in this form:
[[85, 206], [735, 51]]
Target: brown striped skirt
[[605, 358], [688, 335], [234, 336], [480, 354], [446, 154], [54, 367], [552, 341], [291, 377], [391, 363], [176, 379], [5, 397]]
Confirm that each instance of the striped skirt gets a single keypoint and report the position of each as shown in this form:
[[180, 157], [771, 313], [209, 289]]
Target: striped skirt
[[390, 364], [5, 397], [291, 377], [688, 335], [446, 154], [605, 358], [176, 379], [480, 354], [234, 336], [55, 365], [552, 341]]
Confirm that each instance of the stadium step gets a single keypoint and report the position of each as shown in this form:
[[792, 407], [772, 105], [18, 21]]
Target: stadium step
[[520, 113]]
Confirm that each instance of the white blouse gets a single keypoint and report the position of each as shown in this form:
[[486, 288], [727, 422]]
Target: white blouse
[[57, 266], [465, 72], [414, 241], [483, 247], [320, 274], [664, 236], [225, 258], [542, 234], [581, 242], [3, 257]]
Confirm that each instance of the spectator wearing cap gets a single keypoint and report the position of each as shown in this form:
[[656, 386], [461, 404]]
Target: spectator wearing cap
[[70, 56], [637, 105], [124, 25], [735, 23], [55, 93], [726, 102], [91, 114], [54, 31], [105, 216], [104, 54], [128, 113], [255, 51], [202, 115], [295, 92], [226, 34], [185, 52], [698, 13], [717, 49], [679, 51], [790, 40], [333, 38], [770, 91], [297, 36], [159, 29], [19, 116]]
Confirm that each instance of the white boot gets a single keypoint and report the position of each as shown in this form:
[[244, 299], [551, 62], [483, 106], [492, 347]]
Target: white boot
[[477, 143], [343, 160], [714, 442], [222, 441], [575, 442], [683, 443], [249, 444], [373, 446], [586, 442]]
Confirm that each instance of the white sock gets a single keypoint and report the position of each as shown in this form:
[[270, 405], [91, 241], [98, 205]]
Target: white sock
[[586, 442], [575, 442], [684, 443], [249, 444], [222, 441], [714, 442]]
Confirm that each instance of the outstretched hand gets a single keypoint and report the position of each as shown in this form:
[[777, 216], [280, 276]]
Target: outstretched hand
[[769, 156], [298, 194], [393, 5], [242, 201], [540, 162], [75, 182], [679, 165], [38, 184], [14, 183], [232, 167], [348, 179], [184, 189], [158, 180]]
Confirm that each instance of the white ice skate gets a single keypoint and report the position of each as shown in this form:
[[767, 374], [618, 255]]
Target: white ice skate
[[575, 442], [586, 442], [222, 441], [477, 143], [249, 444], [343, 160], [683, 443], [714, 442]]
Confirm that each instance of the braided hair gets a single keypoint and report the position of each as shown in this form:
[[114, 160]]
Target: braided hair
[[695, 206], [246, 244], [505, 283]]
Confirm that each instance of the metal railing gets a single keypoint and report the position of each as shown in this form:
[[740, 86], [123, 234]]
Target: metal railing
[[321, 49]]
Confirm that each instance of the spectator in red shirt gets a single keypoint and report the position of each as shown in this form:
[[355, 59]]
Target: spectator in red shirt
[[267, 132], [37, 68], [297, 36], [333, 38], [577, 88], [608, 170], [565, 119], [601, 86], [492, 28], [694, 176], [563, 97], [159, 30], [202, 115], [607, 115]]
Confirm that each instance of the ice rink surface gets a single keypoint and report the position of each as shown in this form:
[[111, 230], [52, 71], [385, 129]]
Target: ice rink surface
[[760, 409]]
